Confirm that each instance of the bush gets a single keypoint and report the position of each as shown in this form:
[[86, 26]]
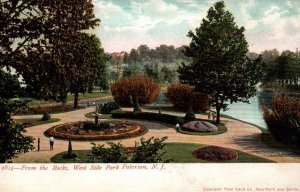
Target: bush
[[107, 108], [148, 151], [183, 97], [190, 115], [124, 91], [46, 117], [284, 120], [115, 153]]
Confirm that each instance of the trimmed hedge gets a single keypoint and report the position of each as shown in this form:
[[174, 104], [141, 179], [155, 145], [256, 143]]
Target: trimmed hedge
[[164, 118], [45, 109]]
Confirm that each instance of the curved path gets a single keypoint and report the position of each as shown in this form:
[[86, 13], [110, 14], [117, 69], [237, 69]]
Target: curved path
[[240, 136]]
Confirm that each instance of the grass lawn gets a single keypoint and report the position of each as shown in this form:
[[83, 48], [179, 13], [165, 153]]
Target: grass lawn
[[35, 121], [221, 129], [71, 98], [102, 116], [179, 152]]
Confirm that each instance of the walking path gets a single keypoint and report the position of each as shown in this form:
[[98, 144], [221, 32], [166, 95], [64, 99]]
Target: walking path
[[240, 136]]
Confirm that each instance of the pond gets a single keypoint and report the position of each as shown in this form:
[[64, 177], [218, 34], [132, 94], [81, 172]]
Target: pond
[[251, 112]]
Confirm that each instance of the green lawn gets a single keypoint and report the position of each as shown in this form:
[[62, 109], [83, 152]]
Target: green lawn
[[71, 98], [35, 121], [178, 152], [102, 116]]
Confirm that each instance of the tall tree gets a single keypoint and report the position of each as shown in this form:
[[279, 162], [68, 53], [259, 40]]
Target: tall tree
[[219, 64], [143, 51], [86, 65], [49, 68], [133, 56]]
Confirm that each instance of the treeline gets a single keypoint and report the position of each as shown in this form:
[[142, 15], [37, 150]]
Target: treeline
[[283, 68], [159, 63], [163, 54], [144, 54]]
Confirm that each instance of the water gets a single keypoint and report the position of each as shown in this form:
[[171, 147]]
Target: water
[[252, 112]]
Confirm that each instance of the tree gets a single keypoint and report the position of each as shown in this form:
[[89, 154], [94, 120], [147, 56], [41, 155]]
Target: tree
[[9, 85], [152, 71], [143, 51], [12, 140], [133, 57], [21, 24], [167, 74], [49, 71], [86, 65], [220, 67], [127, 91]]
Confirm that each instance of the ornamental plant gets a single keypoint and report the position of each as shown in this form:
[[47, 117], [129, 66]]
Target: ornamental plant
[[283, 120], [136, 88], [183, 97], [147, 151]]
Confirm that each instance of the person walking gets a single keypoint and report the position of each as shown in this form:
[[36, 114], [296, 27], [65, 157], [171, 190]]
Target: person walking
[[51, 140], [177, 127]]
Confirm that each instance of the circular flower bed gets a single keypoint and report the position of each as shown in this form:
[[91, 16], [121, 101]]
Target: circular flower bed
[[90, 131], [215, 153]]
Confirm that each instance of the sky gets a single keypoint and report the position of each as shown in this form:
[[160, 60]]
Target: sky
[[126, 24]]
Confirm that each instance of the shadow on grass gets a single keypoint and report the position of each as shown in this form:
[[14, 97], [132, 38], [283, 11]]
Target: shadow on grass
[[255, 144]]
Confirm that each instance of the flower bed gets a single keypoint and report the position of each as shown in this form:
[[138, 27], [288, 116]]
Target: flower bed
[[118, 130], [45, 109], [215, 153]]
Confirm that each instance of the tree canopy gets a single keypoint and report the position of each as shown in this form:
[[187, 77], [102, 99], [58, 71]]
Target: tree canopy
[[219, 66]]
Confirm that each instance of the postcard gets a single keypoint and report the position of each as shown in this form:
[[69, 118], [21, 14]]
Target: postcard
[[150, 95]]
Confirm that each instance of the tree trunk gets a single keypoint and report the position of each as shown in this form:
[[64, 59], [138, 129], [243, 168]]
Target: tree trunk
[[218, 114], [75, 99]]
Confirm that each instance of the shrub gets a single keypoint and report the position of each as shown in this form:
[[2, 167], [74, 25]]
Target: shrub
[[125, 90], [182, 97], [46, 117], [107, 108], [115, 153], [190, 115], [284, 120], [148, 151]]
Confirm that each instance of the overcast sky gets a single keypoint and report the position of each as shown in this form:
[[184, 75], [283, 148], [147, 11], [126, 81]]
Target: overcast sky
[[126, 24]]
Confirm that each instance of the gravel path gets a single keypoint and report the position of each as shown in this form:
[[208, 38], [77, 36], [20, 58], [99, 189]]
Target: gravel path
[[240, 136]]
